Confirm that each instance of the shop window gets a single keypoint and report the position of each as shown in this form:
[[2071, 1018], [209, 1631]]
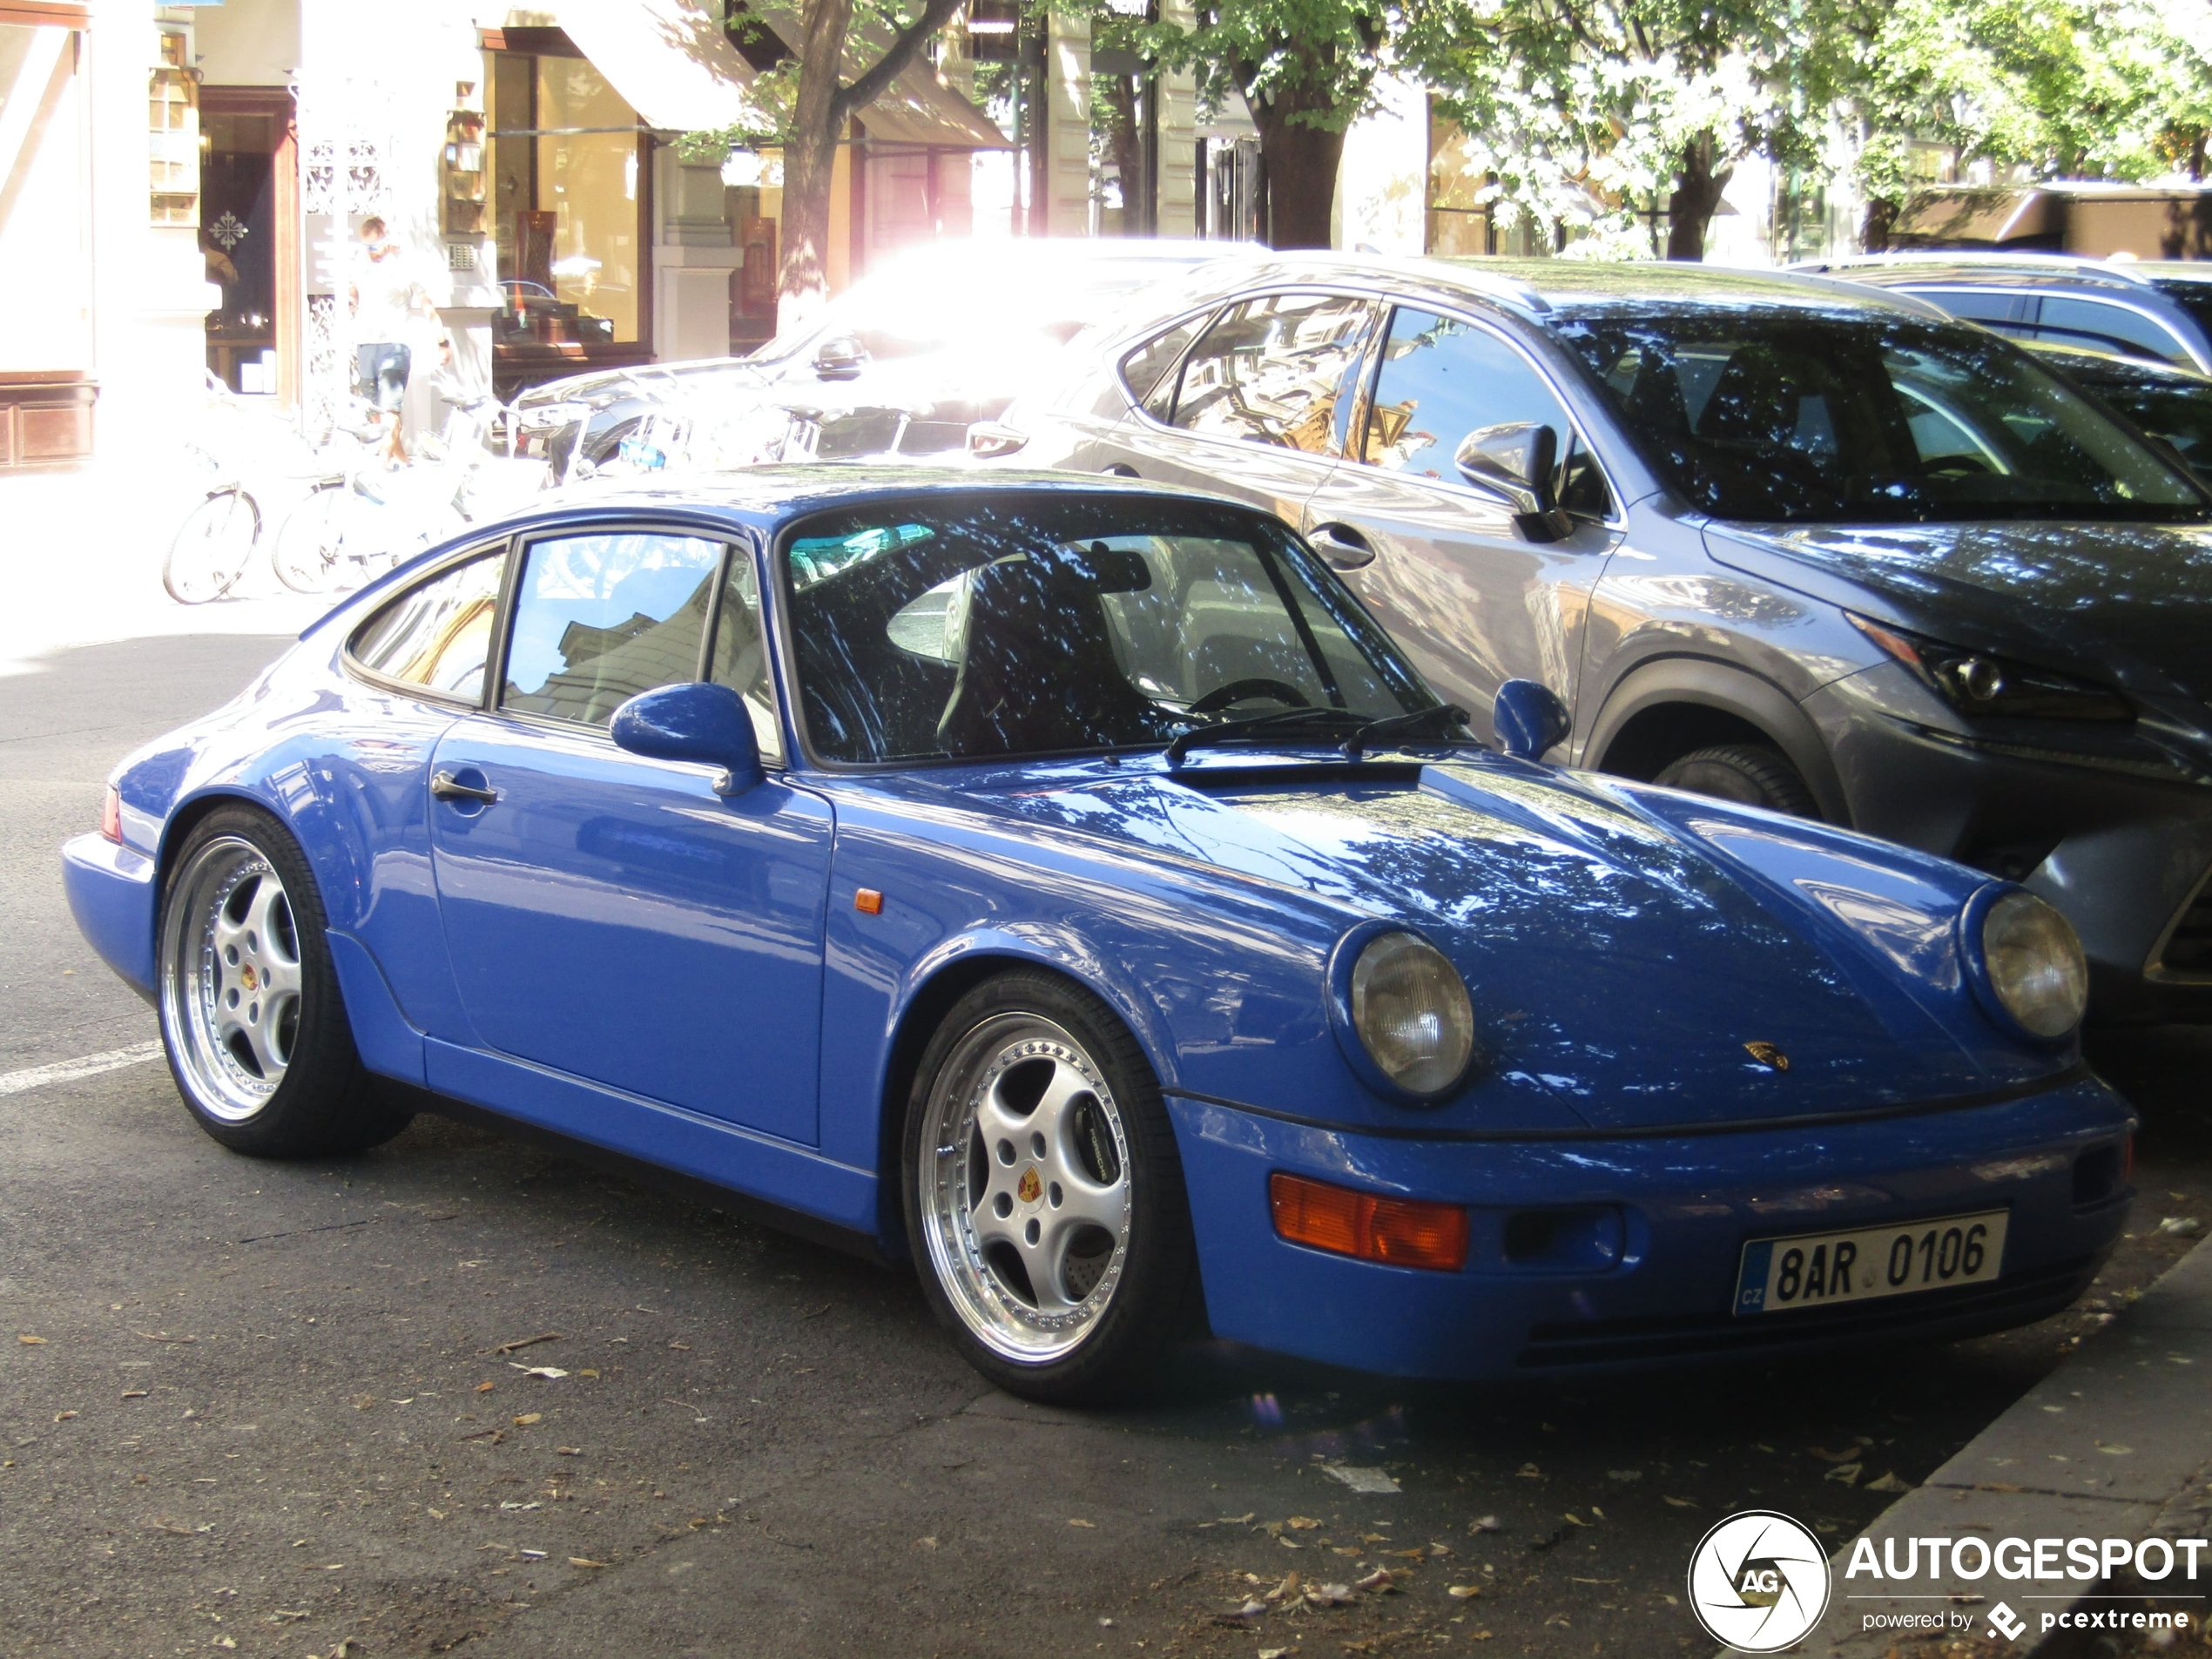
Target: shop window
[[173, 139], [568, 200]]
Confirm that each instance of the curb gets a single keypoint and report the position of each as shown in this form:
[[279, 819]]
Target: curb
[[2111, 1444]]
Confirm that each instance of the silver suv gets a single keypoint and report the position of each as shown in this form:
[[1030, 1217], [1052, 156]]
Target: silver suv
[[1771, 537]]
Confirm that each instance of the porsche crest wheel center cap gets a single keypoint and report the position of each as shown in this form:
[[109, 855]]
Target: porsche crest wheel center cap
[[1031, 1187]]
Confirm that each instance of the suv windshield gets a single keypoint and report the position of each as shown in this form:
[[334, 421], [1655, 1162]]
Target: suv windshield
[[1767, 413], [1022, 626]]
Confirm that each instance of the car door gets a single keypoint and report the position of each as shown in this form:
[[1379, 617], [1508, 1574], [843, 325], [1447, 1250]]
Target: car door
[[611, 916], [1447, 569], [1253, 406]]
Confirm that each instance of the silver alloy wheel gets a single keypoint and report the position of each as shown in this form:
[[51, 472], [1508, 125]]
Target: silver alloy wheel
[[1026, 1195], [230, 978]]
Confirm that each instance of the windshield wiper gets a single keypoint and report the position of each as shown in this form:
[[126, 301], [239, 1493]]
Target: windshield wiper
[[1401, 725], [1200, 736]]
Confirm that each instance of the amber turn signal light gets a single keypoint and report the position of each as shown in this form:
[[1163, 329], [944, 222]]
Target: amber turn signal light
[[1404, 1232], [112, 815], [869, 902]]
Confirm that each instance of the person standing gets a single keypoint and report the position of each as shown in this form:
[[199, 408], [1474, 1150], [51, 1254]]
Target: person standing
[[386, 299]]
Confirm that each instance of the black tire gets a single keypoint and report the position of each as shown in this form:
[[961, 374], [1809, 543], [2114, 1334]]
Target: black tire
[[1154, 1298], [1748, 773], [320, 1099]]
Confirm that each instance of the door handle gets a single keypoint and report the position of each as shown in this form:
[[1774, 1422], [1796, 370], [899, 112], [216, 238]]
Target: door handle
[[1341, 546], [445, 786]]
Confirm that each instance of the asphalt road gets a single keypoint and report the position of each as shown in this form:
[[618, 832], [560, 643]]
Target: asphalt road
[[273, 1408]]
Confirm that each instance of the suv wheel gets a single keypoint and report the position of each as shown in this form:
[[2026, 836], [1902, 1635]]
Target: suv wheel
[[1750, 773]]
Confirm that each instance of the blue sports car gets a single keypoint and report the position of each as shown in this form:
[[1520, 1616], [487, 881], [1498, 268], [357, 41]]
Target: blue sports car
[[1068, 886]]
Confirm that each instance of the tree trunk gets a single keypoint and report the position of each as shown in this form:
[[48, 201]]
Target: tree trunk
[[810, 162], [1300, 162], [1697, 196], [1874, 229]]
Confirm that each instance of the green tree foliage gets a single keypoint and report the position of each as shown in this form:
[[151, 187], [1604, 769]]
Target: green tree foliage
[[1593, 117], [2068, 89], [1304, 67], [847, 54]]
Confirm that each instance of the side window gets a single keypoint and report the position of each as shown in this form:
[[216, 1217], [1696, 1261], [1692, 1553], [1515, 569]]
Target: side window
[[2070, 321], [740, 657], [1145, 371], [1274, 370], [1988, 308], [600, 619], [1441, 378], [437, 634]]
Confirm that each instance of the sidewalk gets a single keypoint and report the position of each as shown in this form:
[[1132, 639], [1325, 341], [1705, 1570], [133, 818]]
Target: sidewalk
[[80, 556], [2113, 1444]]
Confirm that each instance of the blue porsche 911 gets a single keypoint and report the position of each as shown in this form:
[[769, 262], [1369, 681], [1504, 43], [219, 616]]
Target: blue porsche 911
[[1068, 886]]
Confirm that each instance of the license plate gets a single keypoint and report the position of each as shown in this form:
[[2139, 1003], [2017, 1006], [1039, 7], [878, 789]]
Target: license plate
[[1829, 1270]]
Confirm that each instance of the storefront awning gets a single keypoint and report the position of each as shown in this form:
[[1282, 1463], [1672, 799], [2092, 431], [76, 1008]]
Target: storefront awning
[[668, 58]]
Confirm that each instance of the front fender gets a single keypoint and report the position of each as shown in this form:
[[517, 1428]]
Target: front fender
[[1702, 682]]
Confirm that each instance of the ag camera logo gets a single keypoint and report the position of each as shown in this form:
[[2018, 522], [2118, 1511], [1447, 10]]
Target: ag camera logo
[[1758, 1581]]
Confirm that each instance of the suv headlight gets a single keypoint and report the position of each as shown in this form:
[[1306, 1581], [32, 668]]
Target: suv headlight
[[2028, 968], [1407, 1012], [1981, 685]]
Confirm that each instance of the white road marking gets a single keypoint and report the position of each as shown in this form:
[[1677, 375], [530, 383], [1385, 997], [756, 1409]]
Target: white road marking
[[62, 1071]]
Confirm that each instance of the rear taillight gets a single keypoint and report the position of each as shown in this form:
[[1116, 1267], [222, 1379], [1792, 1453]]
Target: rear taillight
[[112, 815], [1403, 1232]]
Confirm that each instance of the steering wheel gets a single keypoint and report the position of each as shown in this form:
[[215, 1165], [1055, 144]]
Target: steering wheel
[[1236, 691]]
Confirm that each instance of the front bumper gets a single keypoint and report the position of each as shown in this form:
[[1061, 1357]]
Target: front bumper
[[2126, 857], [1685, 1207]]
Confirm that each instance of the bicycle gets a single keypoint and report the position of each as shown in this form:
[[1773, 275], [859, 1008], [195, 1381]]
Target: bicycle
[[365, 519], [211, 548]]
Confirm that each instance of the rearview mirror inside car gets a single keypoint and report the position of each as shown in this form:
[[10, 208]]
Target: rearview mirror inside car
[[695, 721], [1519, 460]]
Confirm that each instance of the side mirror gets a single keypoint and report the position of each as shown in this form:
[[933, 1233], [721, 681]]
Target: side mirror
[[1529, 718], [695, 721], [1518, 461], [840, 358]]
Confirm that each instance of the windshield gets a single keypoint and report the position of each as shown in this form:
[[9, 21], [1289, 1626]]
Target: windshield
[[1026, 626], [2178, 411], [1770, 414]]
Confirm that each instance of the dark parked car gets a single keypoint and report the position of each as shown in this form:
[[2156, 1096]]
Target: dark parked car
[[947, 334], [1772, 537], [2161, 310], [2172, 404]]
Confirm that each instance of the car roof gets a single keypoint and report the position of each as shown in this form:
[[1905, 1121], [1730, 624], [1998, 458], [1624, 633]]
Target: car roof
[[1536, 287], [1993, 269], [766, 496]]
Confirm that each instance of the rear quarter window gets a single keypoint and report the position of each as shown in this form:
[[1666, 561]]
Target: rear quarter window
[[437, 634]]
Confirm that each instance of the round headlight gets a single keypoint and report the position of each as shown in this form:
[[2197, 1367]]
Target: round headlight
[[2036, 965], [1410, 1008]]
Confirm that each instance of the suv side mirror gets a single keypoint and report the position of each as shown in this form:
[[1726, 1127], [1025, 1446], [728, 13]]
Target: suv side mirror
[[840, 358], [1529, 718], [1518, 461], [695, 720]]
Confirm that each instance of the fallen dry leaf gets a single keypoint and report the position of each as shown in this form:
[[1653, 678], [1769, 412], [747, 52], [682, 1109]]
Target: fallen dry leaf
[[1463, 1592], [529, 1417], [1273, 1653], [570, 1451], [551, 1374], [1328, 1595], [1302, 1523], [32, 1342], [1888, 1483], [1077, 1521], [484, 1387], [584, 1561], [1287, 1588], [134, 1394], [62, 1417], [1827, 1456], [1846, 1473], [1484, 1523], [1381, 1578], [924, 1543], [362, 1402], [1678, 1503]]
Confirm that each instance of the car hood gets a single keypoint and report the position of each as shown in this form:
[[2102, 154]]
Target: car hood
[[578, 388], [1623, 945], [2130, 605]]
